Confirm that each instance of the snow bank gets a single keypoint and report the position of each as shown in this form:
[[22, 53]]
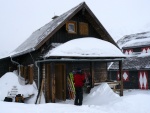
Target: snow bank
[[10, 80], [101, 95]]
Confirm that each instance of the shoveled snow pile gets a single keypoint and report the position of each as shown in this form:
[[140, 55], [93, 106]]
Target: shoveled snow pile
[[10, 80], [98, 95]]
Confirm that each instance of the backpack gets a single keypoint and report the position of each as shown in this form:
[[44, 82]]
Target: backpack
[[19, 98]]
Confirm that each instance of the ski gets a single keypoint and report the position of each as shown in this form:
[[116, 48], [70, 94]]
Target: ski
[[71, 93]]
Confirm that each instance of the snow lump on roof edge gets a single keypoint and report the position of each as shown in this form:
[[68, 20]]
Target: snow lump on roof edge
[[86, 47]]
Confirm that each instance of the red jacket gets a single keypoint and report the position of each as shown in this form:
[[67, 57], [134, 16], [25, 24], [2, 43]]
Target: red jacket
[[79, 80]]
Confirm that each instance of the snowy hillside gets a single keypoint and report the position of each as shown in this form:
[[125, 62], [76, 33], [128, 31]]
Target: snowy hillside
[[134, 40]]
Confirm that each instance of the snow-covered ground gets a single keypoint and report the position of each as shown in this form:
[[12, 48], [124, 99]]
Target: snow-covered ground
[[100, 100]]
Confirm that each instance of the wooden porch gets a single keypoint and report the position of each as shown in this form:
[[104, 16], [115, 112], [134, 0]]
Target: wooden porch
[[53, 74]]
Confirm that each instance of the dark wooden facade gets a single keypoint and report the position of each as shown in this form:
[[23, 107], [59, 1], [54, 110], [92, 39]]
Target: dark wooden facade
[[5, 66]]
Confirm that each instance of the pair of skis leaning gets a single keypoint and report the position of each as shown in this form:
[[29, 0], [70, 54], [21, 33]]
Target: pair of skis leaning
[[70, 84]]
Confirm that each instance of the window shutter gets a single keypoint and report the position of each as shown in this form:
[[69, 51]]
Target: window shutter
[[83, 28]]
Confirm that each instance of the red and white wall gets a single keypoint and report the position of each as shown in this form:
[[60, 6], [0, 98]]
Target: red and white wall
[[145, 50], [143, 79], [128, 51], [125, 76]]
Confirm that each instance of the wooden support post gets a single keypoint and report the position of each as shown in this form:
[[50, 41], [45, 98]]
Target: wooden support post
[[121, 78], [41, 83], [92, 72], [41, 89], [31, 73], [25, 72], [53, 81], [47, 82], [21, 71], [43, 77]]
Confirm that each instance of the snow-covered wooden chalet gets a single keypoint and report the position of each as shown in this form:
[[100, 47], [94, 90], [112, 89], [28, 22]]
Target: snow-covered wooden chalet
[[71, 40], [136, 67]]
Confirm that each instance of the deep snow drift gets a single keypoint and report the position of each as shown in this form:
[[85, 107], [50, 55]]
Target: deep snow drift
[[10, 80], [98, 94]]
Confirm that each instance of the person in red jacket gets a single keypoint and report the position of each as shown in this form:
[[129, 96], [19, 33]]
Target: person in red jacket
[[79, 80]]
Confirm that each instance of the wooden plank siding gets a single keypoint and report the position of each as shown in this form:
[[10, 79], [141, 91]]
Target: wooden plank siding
[[6, 66], [53, 93], [60, 75], [62, 35], [92, 73], [31, 73], [100, 72], [48, 90]]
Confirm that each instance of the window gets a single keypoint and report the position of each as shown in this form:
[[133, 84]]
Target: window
[[84, 30], [71, 27]]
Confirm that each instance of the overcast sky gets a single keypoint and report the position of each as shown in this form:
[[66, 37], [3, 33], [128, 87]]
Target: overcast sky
[[19, 18]]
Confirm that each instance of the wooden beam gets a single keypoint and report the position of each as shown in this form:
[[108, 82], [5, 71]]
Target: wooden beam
[[21, 71], [53, 81], [121, 78], [31, 73], [25, 72], [47, 81], [64, 82], [92, 72]]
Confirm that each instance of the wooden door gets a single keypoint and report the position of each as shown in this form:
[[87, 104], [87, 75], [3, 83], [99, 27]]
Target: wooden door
[[60, 81]]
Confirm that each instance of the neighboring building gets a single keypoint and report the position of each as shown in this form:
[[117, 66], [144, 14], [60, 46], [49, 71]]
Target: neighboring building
[[35, 60], [136, 67]]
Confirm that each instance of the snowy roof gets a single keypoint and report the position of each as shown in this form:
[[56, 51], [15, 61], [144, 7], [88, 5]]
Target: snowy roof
[[136, 63], [135, 40], [86, 47], [40, 36], [32, 42], [138, 60]]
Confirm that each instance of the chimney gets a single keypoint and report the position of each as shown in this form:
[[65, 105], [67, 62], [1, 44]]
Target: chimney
[[54, 17]]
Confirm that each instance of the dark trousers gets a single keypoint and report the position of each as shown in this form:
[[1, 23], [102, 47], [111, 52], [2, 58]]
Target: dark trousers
[[79, 96]]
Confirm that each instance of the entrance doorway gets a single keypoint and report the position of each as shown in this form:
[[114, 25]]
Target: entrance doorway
[[60, 81]]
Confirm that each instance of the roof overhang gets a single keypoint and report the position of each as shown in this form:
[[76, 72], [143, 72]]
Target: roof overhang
[[80, 60], [21, 53]]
